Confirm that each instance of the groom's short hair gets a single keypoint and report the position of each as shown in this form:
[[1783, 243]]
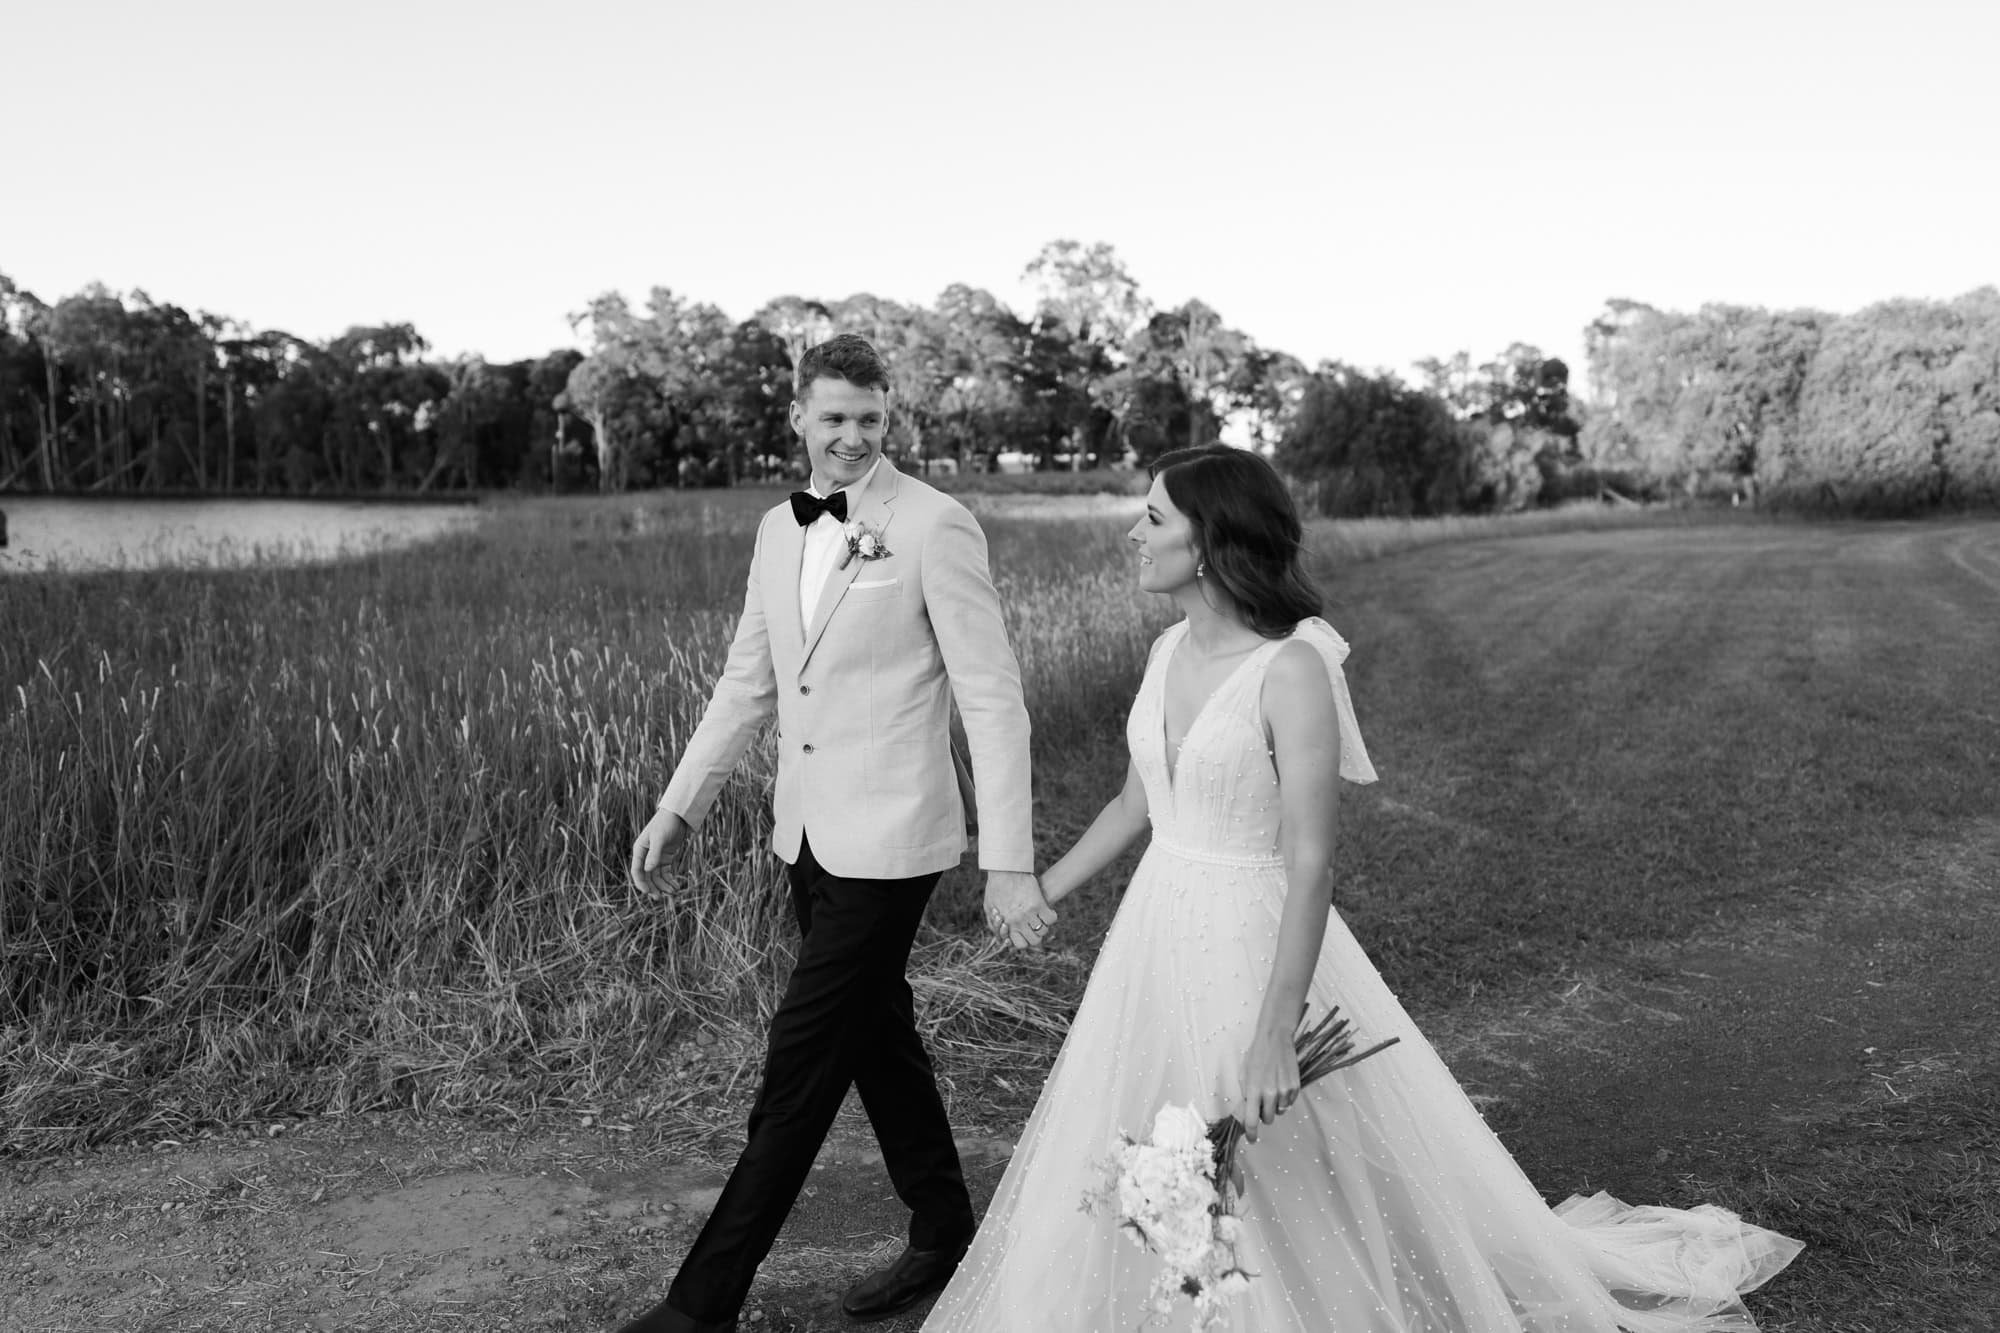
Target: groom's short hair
[[845, 356]]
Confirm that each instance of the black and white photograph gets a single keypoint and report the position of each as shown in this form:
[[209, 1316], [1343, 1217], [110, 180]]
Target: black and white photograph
[[1056, 668]]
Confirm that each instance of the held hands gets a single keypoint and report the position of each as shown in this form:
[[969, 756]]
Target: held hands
[[1015, 909], [663, 840], [1270, 1081]]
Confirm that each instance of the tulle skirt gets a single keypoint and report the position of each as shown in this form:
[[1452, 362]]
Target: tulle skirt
[[1380, 1203]]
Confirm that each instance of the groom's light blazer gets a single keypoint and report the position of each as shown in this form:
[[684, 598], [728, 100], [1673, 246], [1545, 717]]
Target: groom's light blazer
[[863, 696]]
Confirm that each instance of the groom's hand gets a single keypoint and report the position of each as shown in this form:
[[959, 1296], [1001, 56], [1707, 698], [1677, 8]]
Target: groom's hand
[[1015, 909], [662, 840]]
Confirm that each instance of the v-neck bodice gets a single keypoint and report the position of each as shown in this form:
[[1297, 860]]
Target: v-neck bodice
[[1253, 662], [1218, 796]]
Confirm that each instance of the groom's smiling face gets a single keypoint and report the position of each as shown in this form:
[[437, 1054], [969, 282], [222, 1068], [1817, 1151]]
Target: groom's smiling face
[[842, 425]]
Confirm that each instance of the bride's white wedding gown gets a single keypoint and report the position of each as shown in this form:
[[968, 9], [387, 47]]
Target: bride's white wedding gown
[[1381, 1202]]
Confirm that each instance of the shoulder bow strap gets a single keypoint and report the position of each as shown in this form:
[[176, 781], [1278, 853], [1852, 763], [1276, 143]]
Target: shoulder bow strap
[[1354, 765]]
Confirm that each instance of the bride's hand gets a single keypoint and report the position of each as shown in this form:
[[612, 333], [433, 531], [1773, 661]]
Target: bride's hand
[[1270, 1080]]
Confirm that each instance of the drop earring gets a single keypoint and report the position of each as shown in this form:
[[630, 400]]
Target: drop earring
[[1200, 568]]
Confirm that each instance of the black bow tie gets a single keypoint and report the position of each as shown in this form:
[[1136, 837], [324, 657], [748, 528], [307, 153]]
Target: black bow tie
[[807, 507]]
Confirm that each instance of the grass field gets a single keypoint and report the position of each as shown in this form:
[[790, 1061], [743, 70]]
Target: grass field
[[347, 838]]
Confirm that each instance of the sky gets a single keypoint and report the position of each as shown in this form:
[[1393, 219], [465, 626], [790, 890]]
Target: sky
[[1373, 183]]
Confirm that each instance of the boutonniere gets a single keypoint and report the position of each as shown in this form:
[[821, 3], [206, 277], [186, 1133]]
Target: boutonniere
[[862, 541]]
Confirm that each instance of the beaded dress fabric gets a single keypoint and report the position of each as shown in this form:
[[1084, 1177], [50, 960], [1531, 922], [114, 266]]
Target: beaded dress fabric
[[1381, 1202]]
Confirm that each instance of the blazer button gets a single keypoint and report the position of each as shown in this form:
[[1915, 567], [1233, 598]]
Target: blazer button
[[808, 749], [805, 689]]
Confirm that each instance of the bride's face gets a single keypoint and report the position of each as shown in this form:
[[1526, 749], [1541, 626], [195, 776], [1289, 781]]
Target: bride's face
[[1164, 540]]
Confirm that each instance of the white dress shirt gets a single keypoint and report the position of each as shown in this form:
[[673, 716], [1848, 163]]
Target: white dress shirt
[[823, 547]]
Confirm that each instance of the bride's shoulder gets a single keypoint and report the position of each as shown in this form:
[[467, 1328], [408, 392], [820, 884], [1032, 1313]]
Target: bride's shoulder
[[1298, 668]]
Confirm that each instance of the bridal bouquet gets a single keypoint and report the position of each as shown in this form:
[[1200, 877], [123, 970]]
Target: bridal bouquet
[[1162, 1190], [1175, 1193]]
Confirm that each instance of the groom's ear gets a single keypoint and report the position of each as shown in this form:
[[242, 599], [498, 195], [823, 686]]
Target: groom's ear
[[798, 418]]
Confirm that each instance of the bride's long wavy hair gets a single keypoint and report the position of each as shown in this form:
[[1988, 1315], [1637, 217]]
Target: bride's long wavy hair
[[1247, 530]]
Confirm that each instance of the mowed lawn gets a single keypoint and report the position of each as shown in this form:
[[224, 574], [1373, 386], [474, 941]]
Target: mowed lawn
[[1589, 738]]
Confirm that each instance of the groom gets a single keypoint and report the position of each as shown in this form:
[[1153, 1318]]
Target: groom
[[869, 612]]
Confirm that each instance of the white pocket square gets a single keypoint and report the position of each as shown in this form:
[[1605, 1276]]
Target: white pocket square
[[859, 584]]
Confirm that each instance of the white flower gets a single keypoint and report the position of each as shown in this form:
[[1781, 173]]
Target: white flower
[[863, 540], [1131, 1197], [1180, 1128]]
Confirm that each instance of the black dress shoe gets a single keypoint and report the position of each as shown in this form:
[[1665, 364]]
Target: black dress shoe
[[664, 1318], [892, 1290]]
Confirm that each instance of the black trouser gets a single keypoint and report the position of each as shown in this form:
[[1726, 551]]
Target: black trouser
[[847, 1018]]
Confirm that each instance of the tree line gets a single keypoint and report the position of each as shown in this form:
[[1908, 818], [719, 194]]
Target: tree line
[[103, 392], [1894, 407], [107, 392]]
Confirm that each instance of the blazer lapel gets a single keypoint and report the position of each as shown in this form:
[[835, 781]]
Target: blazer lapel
[[788, 554], [872, 507]]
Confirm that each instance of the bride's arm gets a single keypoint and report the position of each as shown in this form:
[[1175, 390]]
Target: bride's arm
[[1306, 751], [1117, 825]]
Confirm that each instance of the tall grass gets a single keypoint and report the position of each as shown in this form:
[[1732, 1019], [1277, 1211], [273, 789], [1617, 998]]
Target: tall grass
[[355, 836]]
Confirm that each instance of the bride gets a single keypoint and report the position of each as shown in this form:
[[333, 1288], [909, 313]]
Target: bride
[[1377, 1201]]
